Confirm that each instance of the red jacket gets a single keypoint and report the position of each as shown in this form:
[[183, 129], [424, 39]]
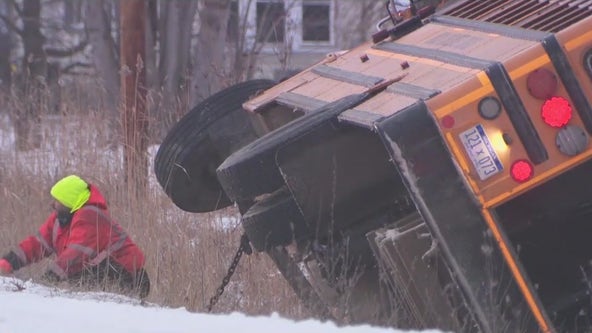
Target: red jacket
[[91, 237]]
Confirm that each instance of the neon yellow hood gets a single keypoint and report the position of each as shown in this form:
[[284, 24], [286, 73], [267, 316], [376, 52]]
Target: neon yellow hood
[[71, 191]]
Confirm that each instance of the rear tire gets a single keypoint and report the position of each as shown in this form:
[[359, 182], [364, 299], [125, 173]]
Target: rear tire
[[185, 164]]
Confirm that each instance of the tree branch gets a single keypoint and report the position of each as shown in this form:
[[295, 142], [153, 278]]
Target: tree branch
[[11, 25], [62, 53], [68, 69], [18, 10]]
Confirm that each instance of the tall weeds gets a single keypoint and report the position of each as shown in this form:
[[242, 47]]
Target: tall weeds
[[187, 254]]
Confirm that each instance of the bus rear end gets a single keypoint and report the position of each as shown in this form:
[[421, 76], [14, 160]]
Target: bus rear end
[[519, 133], [448, 164]]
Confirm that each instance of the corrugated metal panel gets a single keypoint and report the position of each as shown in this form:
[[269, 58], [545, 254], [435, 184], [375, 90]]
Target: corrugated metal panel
[[542, 15]]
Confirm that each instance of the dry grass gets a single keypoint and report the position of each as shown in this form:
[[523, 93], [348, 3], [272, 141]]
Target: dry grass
[[187, 254]]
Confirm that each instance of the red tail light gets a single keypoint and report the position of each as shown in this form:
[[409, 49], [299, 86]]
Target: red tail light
[[556, 111], [541, 83], [521, 171], [448, 121]]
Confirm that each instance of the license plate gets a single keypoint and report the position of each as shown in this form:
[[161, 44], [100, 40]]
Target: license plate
[[481, 152]]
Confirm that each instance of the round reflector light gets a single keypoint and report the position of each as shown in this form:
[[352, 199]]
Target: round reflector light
[[521, 171], [571, 140], [448, 121], [541, 83], [556, 111], [490, 108]]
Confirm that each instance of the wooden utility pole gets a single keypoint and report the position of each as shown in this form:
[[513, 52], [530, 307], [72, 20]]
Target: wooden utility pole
[[133, 93]]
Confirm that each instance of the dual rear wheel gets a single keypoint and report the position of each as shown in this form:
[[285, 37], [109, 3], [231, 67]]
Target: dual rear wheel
[[186, 161]]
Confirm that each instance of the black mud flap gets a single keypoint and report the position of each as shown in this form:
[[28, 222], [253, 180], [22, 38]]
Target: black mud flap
[[421, 292], [347, 178], [299, 283], [454, 219], [274, 221], [252, 170]]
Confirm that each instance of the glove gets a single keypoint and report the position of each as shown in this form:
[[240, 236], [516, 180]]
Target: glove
[[50, 277], [5, 267]]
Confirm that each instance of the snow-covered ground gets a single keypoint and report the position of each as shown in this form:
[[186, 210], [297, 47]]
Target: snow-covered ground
[[26, 307]]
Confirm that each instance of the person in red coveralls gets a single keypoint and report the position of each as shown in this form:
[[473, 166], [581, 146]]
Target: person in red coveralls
[[90, 247]]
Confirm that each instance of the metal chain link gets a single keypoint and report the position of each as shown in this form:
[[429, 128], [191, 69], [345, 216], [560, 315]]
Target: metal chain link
[[244, 247]]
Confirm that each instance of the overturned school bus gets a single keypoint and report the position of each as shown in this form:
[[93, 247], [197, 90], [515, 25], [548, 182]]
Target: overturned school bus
[[439, 175]]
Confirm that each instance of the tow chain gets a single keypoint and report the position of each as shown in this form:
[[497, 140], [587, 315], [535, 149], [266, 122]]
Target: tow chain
[[244, 247]]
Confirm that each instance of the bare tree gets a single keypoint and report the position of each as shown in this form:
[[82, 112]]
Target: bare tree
[[175, 46], [32, 81], [168, 39], [208, 69], [72, 12], [105, 56], [366, 12], [36, 78], [213, 69], [5, 50], [35, 59], [253, 39], [133, 83]]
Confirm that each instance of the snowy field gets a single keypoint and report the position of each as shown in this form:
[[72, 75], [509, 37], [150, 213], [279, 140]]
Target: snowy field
[[26, 307]]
